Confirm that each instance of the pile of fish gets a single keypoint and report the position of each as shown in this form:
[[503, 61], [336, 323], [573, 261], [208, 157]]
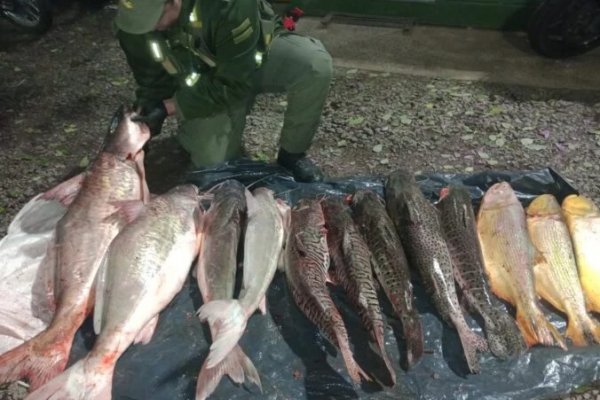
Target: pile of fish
[[121, 255]]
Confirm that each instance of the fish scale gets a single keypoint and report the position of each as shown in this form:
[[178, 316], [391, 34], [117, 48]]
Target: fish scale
[[458, 223], [556, 279], [418, 226], [390, 265], [352, 269], [306, 266]]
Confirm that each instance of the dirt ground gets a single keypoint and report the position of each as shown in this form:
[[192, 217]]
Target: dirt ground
[[58, 93]]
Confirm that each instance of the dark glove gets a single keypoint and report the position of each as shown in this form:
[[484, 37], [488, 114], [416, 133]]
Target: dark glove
[[153, 115]]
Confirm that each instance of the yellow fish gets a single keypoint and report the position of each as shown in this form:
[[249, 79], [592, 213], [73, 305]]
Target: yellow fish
[[583, 220], [556, 279]]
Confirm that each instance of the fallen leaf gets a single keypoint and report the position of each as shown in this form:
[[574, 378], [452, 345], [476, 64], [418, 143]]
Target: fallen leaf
[[70, 128], [546, 133], [429, 106], [495, 110], [378, 148], [84, 162], [355, 120], [526, 141]]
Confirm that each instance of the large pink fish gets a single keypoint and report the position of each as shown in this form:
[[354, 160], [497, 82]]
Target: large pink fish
[[96, 200]]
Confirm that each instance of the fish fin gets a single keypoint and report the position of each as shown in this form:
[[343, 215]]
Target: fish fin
[[330, 278], [65, 192], [236, 365], [503, 336], [413, 336], [139, 163], [354, 370], [229, 319], [537, 329], [262, 306], [380, 350], [472, 343], [144, 336], [129, 209], [251, 204], [583, 331], [80, 381], [39, 359], [100, 293]]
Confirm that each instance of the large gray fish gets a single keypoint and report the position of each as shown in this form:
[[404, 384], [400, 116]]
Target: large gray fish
[[352, 270], [215, 272], [460, 229], [144, 268], [306, 265], [263, 242], [418, 225], [390, 266], [95, 200]]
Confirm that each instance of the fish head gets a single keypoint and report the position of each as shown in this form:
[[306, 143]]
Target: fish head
[[543, 205], [366, 202], [580, 206], [309, 211], [126, 138], [499, 195]]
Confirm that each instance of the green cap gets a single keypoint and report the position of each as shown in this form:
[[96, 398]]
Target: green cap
[[139, 16]]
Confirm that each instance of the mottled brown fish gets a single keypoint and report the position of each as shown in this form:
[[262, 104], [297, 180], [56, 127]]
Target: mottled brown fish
[[460, 229], [390, 266], [306, 265], [583, 219], [144, 268], [97, 201], [418, 226], [556, 279], [509, 258], [215, 271], [351, 259]]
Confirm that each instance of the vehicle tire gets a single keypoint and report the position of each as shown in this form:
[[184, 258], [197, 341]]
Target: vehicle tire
[[34, 16], [565, 28]]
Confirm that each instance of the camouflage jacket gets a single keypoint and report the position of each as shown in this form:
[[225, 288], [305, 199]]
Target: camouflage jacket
[[206, 60]]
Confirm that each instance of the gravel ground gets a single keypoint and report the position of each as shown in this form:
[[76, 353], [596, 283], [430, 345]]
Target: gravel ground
[[63, 88]]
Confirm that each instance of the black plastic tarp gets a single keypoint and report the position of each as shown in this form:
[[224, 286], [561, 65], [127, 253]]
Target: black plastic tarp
[[296, 362]]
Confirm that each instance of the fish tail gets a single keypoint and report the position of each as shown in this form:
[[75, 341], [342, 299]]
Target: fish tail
[[229, 320], [471, 344], [413, 335], [236, 365], [503, 336], [537, 329], [39, 359], [80, 381], [583, 330], [384, 356], [354, 370]]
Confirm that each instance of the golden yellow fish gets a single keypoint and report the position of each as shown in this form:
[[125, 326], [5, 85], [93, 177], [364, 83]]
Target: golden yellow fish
[[556, 279], [509, 257], [583, 220]]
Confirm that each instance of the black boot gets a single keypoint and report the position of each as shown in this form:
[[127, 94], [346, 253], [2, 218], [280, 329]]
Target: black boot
[[303, 168]]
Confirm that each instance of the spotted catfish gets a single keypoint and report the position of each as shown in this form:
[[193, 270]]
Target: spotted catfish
[[390, 266], [306, 262], [418, 225], [459, 225]]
